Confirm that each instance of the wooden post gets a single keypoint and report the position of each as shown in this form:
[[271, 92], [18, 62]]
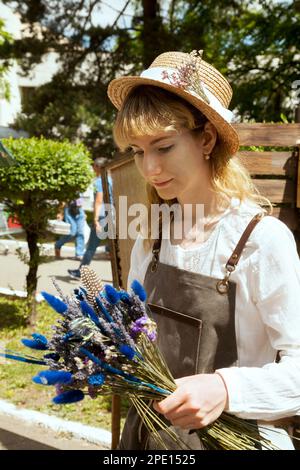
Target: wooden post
[[115, 400], [115, 420]]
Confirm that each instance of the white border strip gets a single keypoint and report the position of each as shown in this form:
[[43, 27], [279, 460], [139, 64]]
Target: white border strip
[[19, 293], [78, 430]]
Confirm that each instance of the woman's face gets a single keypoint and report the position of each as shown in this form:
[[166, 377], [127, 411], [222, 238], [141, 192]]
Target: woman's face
[[174, 163]]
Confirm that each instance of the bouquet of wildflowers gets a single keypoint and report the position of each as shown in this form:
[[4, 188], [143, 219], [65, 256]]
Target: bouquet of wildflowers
[[104, 343]]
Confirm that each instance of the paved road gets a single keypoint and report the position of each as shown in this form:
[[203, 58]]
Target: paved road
[[15, 434], [13, 272]]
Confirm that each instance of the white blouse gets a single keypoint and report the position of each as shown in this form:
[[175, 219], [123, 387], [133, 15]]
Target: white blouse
[[267, 317]]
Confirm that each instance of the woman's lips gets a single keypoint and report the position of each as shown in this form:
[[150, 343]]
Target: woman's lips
[[163, 184]]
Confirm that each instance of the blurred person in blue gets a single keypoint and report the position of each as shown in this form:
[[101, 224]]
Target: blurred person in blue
[[75, 216], [99, 227]]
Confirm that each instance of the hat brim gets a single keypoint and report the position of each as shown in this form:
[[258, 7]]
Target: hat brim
[[119, 88]]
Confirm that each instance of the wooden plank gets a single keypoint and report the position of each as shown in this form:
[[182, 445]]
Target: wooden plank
[[288, 215], [112, 245], [118, 161], [277, 191], [126, 181], [269, 163], [265, 134]]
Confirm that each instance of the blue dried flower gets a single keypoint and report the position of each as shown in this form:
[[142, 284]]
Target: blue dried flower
[[127, 351], [112, 295], [83, 290], [18, 357], [70, 396], [104, 310], [88, 311], [68, 336], [40, 338], [39, 342], [55, 303], [53, 356], [125, 297], [139, 290], [96, 380], [53, 377], [78, 294]]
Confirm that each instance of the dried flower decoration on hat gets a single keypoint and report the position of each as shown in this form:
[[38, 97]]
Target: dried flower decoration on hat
[[187, 76]]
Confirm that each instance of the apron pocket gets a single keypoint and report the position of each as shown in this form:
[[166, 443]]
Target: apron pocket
[[178, 340]]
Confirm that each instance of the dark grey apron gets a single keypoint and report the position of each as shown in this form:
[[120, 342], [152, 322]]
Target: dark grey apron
[[195, 316]]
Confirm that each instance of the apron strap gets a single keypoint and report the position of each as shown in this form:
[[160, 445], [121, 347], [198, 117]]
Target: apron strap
[[222, 286], [155, 252], [234, 258]]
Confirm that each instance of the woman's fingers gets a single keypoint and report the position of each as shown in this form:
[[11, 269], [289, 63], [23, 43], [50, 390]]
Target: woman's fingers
[[197, 401], [171, 403]]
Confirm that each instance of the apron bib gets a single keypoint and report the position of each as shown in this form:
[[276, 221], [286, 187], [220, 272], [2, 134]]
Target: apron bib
[[195, 316]]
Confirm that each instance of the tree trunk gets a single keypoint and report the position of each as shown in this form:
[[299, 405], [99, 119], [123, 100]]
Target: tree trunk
[[151, 30], [31, 278]]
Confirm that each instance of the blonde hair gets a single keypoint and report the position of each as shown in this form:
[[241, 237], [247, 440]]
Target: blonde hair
[[149, 110]]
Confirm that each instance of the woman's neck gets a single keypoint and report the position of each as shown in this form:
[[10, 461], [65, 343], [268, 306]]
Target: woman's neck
[[203, 207], [196, 220]]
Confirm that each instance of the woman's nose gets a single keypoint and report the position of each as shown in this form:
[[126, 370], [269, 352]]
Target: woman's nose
[[151, 165]]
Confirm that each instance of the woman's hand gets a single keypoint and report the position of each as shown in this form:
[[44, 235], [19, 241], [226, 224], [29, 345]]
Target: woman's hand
[[198, 401]]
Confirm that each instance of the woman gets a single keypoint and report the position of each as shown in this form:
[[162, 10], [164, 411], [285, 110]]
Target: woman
[[227, 308]]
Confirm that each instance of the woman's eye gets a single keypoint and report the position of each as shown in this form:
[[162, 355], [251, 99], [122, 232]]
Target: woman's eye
[[165, 149], [138, 153]]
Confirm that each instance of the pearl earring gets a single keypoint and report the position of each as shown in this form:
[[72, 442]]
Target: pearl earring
[[207, 157]]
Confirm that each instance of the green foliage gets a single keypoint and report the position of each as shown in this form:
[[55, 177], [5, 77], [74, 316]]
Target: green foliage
[[46, 174], [5, 38], [45, 169], [254, 43], [63, 109]]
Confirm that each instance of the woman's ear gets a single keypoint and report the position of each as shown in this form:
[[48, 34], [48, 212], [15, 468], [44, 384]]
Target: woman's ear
[[209, 138]]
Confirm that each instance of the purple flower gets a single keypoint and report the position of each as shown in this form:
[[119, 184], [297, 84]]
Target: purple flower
[[164, 75], [187, 76], [152, 336], [144, 325]]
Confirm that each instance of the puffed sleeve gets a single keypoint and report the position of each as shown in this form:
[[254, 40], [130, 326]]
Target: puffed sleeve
[[273, 390]]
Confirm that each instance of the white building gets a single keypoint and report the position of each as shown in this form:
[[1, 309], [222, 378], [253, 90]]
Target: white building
[[21, 86]]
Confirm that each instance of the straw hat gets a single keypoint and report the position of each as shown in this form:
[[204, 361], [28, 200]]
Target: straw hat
[[193, 79]]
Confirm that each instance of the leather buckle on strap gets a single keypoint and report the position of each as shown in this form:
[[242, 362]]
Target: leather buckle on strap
[[223, 285], [155, 259]]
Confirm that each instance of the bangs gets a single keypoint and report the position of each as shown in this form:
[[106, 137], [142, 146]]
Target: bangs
[[149, 110]]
